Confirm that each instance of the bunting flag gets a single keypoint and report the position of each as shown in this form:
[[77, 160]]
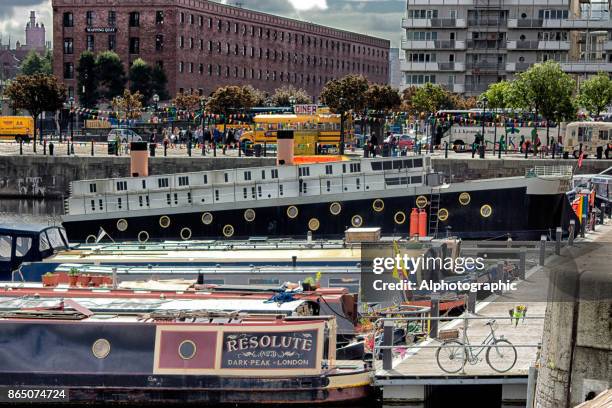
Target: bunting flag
[[577, 207]]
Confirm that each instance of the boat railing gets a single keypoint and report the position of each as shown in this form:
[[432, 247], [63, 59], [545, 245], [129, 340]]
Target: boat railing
[[537, 171]]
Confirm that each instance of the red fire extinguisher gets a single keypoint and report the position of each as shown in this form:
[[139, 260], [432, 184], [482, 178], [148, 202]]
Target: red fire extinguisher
[[414, 222], [422, 223]]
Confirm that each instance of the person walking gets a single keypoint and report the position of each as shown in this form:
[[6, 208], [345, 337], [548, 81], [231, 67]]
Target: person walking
[[207, 138]]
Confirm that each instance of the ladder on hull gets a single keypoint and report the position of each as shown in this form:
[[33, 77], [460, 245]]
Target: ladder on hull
[[434, 207]]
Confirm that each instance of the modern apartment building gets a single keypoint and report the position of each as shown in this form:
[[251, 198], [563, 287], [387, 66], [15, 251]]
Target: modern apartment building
[[466, 45]]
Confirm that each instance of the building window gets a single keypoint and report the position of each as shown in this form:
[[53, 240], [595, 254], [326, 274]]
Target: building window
[[70, 92], [191, 19], [182, 18], [159, 17], [191, 70], [162, 182], [219, 23], [201, 69], [134, 19], [134, 45], [181, 66], [112, 18], [112, 41], [181, 42], [68, 70], [247, 175], [183, 181], [200, 21], [68, 19], [191, 43], [92, 187], [68, 46], [159, 42], [89, 17], [90, 42]]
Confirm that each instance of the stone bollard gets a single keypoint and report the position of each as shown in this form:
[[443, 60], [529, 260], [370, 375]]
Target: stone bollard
[[21, 147], [215, 149], [435, 312], [45, 147], [387, 353], [51, 147], [165, 149], [203, 148], [558, 236], [602, 214], [542, 250], [92, 147], [471, 301], [572, 231]]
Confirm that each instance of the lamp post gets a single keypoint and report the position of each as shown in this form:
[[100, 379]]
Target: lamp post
[[432, 125], [292, 102], [342, 102], [484, 102], [71, 103], [156, 104]]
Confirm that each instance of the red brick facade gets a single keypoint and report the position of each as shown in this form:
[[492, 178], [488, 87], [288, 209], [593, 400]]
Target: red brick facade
[[207, 44]]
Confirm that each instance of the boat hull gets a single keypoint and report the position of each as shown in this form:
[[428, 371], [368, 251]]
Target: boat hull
[[513, 212]]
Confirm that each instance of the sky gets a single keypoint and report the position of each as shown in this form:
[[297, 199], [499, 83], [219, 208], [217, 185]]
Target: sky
[[380, 18]]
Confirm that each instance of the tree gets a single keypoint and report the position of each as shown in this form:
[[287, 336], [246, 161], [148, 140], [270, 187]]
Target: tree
[[255, 97], [128, 106], [543, 88], [284, 95], [228, 99], [596, 93], [33, 64], [87, 83], [159, 82], [497, 95], [343, 95], [36, 93], [187, 102], [382, 99], [110, 74], [141, 79]]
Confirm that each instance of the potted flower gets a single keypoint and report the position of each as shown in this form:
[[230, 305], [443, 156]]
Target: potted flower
[[308, 284], [96, 280], [318, 280], [84, 280], [49, 279], [73, 276]]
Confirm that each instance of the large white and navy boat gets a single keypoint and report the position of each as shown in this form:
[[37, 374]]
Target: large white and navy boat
[[323, 198]]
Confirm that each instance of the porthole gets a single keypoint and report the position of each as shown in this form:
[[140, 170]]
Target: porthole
[[187, 349], [228, 231], [207, 218], [421, 201], [249, 215], [143, 236], [356, 221], [399, 218], [185, 234], [443, 214], [378, 205], [91, 239], [465, 198], [292, 211], [101, 348], [335, 208], [313, 224], [122, 225], [164, 221], [486, 211]]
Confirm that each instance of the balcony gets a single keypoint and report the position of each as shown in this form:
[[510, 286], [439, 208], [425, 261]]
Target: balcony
[[486, 44], [433, 23], [586, 67], [485, 66], [525, 23], [408, 66], [476, 88], [433, 45], [517, 66], [607, 46], [539, 45], [457, 88], [487, 22], [580, 24]]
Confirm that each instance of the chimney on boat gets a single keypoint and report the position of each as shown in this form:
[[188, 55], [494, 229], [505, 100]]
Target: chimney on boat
[[284, 147], [139, 159]]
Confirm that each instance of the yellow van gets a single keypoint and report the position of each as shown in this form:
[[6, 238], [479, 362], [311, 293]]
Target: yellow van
[[16, 128]]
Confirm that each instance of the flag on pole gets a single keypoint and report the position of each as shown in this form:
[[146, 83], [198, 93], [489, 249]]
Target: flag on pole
[[101, 234]]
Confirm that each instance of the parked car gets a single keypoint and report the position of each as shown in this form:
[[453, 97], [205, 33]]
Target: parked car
[[124, 136], [405, 142]]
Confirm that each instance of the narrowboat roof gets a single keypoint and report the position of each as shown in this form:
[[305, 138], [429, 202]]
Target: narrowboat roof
[[25, 228]]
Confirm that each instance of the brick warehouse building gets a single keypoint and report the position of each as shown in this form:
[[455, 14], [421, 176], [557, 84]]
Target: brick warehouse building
[[203, 44]]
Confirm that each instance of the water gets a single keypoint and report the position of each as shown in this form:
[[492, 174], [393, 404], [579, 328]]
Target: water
[[31, 210]]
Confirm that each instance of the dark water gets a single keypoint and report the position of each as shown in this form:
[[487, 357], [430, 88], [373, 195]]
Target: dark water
[[30, 210]]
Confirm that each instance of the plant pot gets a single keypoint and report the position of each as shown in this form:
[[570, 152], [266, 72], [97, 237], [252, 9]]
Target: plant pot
[[96, 280], [84, 280], [73, 279], [49, 280]]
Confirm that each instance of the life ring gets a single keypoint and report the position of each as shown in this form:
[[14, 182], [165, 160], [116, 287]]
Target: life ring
[[378, 205], [313, 224], [207, 218], [122, 225], [143, 236], [185, 234], [399, 217], [228, 230], [292, 211], [164, 221], [335, 208], [356, 221], [249, 215]]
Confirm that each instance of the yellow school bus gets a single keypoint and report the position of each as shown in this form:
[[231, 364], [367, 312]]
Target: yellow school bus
[[310, 130], [16, 128]]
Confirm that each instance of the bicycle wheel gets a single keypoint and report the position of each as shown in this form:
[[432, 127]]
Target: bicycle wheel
[[501, 359], [451, 356]]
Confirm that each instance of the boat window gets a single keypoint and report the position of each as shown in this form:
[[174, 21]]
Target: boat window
[[119, 202], [357, 183], [162, 182], [355, 167], [121, 185], [92, 187], [22, 246], [140, 200], [263, 281], [213, 281], [206, 179], [274, 173], [416, 180], [396, 181], [244, 192], [247, 176], [397, 164], [226, 177], [144, 183], [343, 168], [407, 163], [304, 171], [263, 174], [6, 242], [168, 199], [329, 169], [352, 284], [387, 165], [418, 162], [188, 198], [377, 166], [253, 192], [280, 189], [149, 203], [100, 204], [183, 180], [259, 191], [175, 198], [43, 242], [55, 239], [328, 185], [93, 205]]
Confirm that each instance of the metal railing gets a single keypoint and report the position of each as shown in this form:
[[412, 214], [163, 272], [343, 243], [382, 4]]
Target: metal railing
[[562, 170]]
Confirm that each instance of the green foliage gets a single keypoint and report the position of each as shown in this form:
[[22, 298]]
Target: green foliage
[[36, 93], [596, 93], [382, 98], [188, 102], [430, 98], [345, 94], [497, 95], [229, 99], [87, 84], [110, 74], [254, 96], [140, 76], [33, 64], [129, 105], [283, 96], [73, 271], [159, 82]]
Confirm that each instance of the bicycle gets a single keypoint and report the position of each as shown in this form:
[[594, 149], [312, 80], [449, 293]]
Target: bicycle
[[453, 354]]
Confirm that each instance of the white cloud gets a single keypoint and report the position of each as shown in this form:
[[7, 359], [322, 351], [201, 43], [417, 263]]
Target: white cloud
[[302, 5]]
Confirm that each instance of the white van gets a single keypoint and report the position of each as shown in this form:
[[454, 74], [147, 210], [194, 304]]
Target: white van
[[123, 135]]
